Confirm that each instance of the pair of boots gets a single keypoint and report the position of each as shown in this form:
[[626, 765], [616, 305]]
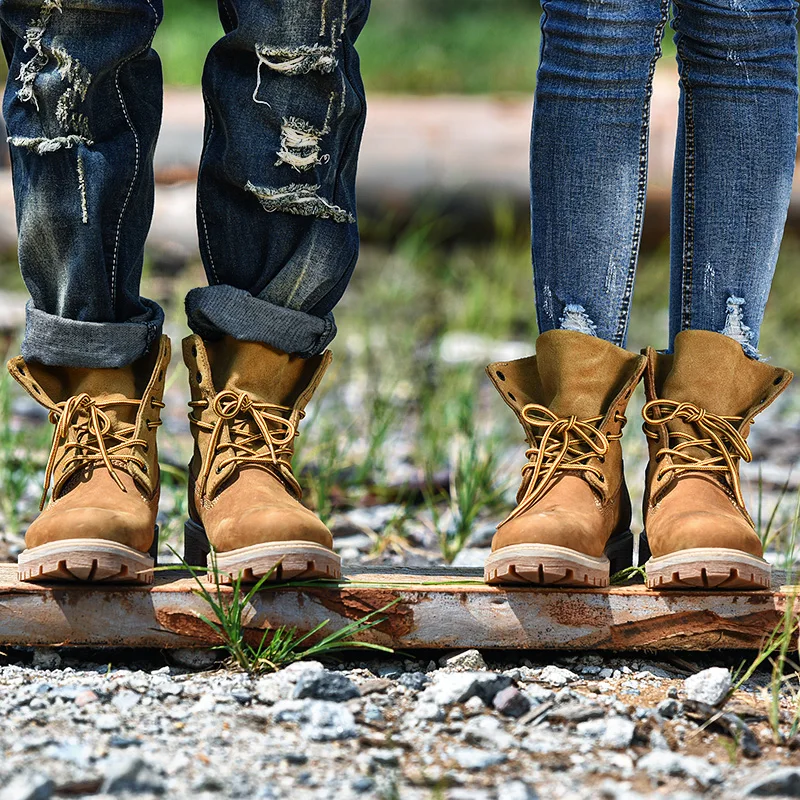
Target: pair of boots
[[572, 523], [100, 522]]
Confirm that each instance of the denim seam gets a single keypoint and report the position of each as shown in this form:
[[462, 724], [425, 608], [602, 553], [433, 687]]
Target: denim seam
[[124, 107], [322, 341], [687, 260], [207, 241], [641, 194], [542, 44]]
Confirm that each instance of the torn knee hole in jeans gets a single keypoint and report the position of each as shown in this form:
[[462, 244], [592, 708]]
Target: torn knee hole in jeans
[[736, 329], [576, 319], [74, 126], [299, 198], [297, 60], [300, 146]]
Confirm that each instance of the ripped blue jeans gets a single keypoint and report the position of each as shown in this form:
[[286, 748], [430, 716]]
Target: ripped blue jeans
[[734, 160], [285, 111]]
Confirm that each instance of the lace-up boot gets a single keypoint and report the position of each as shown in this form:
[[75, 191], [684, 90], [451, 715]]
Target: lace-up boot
[[702, 401], [244, 500], [99, 523], [573, 515]]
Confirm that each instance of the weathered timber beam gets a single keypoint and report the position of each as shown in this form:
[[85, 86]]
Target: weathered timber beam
[[438, 608]]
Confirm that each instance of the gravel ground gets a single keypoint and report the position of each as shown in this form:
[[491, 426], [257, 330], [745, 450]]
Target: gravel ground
[[578, 727]]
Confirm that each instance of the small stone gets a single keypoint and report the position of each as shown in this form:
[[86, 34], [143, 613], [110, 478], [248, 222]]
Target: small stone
[[85, 698], [517, 790], [107, 722], [467, 660], [125, 700], [319, 720], [538, 694], [28, 786], [428, 711], [618, 733], [384, 758], [46, 658], [672, 692], [557, 676], [127, 772], [669, 708], [605, 673], [242, 696], [449, 687], [325, 685], [416, 681], [194, 659], [362, 784], [710, 686], [487, 730], [510, 702], [472, 707], [664, 763], [784, 782], [473, 758]]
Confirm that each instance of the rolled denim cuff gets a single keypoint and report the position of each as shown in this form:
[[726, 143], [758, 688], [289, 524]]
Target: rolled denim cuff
[[61, 342], [216, 311]]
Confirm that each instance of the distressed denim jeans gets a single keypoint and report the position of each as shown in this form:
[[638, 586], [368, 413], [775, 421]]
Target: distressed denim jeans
[[285, 111], [734, 160]]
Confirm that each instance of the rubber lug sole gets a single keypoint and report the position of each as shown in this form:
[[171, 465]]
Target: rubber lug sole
[[292, 560], [708, 568], [545, 565], [87, 561]]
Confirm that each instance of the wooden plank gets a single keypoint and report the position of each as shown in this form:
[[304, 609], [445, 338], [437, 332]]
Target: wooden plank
[[436, 608]]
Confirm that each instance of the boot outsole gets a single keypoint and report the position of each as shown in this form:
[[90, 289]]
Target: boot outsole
[[86, 561], [708, 568], [545, 565], [291, 560]]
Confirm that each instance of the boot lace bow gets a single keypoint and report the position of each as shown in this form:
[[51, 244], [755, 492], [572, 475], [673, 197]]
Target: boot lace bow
[[258, 433], [85, 432], [718, 437], [558, 444]]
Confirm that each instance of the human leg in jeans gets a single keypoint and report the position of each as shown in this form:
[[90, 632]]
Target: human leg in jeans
[[82, 107], [733, 172], [276, 213]]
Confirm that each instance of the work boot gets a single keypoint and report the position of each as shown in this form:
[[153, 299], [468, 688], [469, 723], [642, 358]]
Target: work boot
[[702, 401], [100, 521], [244, 500], [572, 521]]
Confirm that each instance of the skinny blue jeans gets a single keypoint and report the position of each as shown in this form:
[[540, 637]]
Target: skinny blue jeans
[[734, 160], [285, 110]]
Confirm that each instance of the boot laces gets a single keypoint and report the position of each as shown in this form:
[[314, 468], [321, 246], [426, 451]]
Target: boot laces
[[258, 433], [718, 437], [86, 433], [558, 444]]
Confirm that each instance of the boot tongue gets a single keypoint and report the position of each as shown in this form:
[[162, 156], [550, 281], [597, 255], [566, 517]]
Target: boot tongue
[[580, 374], [106, 386], [268, 375]]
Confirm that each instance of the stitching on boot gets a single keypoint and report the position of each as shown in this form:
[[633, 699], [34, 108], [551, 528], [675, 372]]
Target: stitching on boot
[[298, 198]]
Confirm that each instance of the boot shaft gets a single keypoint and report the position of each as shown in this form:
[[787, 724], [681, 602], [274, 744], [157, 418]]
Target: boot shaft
[[241, 390], [105, 418]]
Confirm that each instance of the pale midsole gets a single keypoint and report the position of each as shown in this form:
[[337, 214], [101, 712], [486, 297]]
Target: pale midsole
[[701, 556], [546, 551], [276, 549], [68, 547]]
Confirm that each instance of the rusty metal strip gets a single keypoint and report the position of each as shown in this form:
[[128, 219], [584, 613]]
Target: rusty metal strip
[[436, 609]]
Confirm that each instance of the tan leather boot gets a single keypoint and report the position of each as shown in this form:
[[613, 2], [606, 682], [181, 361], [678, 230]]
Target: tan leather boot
[[573, 507], [244, 499], [100, 522], [702, 401]]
